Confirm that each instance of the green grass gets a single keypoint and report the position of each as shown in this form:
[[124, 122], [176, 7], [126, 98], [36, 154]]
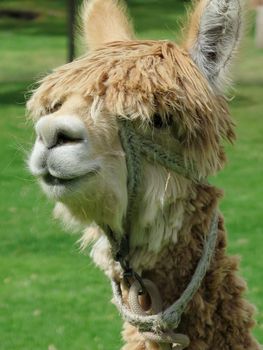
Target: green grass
[[50, 294]]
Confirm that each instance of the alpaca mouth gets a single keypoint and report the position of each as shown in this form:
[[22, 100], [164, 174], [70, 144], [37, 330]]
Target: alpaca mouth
[[51, 180], [56, 181]]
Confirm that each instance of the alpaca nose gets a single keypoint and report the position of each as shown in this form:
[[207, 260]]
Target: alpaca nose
[[60, 130]]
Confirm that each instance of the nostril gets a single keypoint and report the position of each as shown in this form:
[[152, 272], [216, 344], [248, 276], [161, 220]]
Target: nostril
[[63, 138], [61, 130]]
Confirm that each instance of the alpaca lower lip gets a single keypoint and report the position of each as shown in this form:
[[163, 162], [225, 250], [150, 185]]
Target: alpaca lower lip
[[55, 181], [51, 180]]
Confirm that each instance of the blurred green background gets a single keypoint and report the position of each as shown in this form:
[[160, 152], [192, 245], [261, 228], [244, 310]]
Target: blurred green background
[[51, 295]]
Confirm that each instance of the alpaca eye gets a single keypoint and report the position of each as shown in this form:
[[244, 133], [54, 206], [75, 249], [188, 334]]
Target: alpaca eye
[[160, 123]]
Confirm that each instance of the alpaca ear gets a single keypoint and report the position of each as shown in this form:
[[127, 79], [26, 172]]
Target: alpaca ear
[[214, 34], [105, 21]]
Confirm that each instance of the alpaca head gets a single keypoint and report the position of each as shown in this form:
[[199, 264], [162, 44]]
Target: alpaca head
[[172, 95]]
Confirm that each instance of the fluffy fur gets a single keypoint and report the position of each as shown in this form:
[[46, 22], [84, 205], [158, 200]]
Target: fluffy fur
[[137, 79], [118, 74], [105, 21]]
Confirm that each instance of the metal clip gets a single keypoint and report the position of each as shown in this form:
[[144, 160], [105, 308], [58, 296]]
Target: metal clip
[[130, 274]]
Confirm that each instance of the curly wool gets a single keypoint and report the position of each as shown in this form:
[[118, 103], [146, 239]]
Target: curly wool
[[217, 317]]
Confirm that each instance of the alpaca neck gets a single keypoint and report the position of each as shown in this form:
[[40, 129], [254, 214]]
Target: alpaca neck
[[160, 215]]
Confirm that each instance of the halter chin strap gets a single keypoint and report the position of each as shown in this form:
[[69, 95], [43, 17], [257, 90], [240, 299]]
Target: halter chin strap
[[135, 146]]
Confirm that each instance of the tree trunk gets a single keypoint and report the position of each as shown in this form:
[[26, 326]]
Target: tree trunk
[[259, 26], [71, 31]]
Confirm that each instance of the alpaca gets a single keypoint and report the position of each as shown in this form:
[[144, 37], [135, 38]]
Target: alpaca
[[171, 100]]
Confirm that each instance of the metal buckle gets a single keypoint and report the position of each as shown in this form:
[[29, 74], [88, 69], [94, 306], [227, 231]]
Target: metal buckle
[[130, 274]]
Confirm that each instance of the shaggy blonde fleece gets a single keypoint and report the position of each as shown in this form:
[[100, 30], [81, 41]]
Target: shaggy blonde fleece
[[138, 79]]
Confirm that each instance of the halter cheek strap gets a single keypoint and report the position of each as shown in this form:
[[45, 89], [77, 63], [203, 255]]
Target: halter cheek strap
[[162, 323], [135, 147]]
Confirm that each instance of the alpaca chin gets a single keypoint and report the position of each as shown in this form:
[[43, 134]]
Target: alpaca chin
[[100, 202]]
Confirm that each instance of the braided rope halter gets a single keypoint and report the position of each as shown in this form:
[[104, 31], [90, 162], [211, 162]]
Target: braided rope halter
[[158, 325]]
